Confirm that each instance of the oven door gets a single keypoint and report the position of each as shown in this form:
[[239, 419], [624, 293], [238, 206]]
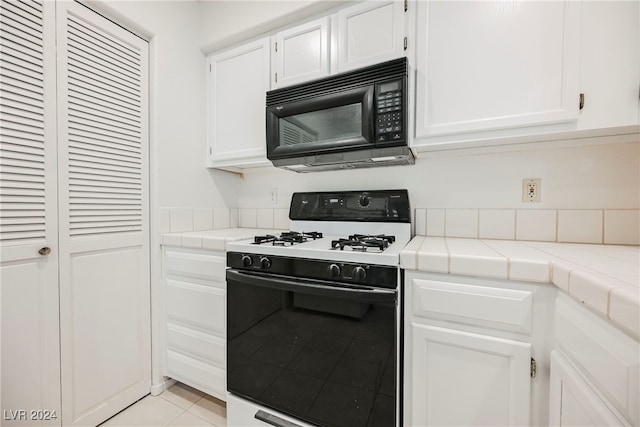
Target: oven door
[[322, 124], [318, 351]]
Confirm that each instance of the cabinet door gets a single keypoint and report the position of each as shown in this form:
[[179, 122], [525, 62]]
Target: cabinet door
[[572, 402], [302, 53], [103, 202], [238, 83], [370, 32], [461, 378], [29, 310], [495, 65], [609, 63]]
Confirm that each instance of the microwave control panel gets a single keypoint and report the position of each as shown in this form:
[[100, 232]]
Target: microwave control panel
[[389, 107]]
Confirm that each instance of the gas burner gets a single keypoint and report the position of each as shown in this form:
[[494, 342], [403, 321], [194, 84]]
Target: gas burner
[[287, 238], [364, 242]]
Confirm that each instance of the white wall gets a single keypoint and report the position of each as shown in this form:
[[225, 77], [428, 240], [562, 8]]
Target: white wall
[[584, 177], [178, 102]]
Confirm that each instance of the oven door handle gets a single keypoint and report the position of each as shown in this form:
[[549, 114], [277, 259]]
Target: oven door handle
[[360, 293], [273, 420]]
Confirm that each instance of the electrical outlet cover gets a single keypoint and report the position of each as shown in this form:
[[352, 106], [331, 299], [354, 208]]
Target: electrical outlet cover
[[531, 188]]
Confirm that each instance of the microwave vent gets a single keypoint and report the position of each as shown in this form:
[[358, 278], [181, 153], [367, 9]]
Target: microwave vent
[[390, 70]]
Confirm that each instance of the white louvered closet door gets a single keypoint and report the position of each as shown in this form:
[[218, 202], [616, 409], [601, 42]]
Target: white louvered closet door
[[103, 215], [30, 354]]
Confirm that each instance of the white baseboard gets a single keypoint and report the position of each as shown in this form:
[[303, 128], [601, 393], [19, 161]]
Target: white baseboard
[[157, 389]]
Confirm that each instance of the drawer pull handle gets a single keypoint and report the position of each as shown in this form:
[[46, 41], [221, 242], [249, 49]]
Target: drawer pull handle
[[273, 420]]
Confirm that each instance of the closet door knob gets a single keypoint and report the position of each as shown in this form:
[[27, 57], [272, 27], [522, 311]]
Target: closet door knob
[[45, 251]]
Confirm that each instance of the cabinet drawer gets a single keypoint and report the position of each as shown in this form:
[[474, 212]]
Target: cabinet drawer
[[192, 342], [605, 355], [198, 306], [202, 376], [201, 265], [497, 308]]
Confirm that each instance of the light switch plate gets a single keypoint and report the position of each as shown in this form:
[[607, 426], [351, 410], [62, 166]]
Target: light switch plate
[[273, 196]]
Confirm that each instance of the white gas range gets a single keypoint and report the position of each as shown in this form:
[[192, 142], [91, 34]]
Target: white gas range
[[312, 314], [367, 242]]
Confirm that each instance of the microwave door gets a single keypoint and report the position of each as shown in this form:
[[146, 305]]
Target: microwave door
[[325, 124]]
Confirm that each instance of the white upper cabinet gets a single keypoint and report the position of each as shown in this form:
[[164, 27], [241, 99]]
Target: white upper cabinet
[[370, 32], [301, 53], [364, 34], [238, 83], [494, 65], [610, 63]]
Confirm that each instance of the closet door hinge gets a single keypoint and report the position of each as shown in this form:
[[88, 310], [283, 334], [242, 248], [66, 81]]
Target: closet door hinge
[[581, 101], [276, 46], [276, 77], [533, 368], [405, 43], [406, 5]]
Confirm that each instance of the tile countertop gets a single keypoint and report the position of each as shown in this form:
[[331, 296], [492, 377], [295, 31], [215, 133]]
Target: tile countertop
[[605, 278], [213, 239]]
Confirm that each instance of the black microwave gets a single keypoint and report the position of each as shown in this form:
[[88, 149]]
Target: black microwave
[[351, 120]]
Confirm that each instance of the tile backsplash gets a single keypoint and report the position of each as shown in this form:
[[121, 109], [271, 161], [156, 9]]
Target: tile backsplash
[[610, 226], [175, 220]]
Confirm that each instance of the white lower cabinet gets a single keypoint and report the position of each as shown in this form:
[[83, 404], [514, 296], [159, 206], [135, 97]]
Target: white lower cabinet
[[468, 379], [595, 370], [573, 402], [469, 350], [195, 295]]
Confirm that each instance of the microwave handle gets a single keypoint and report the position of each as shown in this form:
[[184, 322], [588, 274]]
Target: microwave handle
[[369, 115]]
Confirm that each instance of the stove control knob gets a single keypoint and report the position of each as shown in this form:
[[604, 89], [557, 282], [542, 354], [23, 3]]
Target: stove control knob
[[247, 261], [265, 262], [334, 270], [359, 274], [364, 200]]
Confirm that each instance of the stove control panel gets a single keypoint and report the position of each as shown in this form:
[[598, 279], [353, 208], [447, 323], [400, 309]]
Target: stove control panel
[[362, 274], [369, 206]]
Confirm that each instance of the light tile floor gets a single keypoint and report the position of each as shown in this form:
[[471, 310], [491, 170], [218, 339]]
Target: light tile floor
[[180, 405]]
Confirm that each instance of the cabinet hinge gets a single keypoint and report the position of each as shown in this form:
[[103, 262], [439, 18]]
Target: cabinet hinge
[[276, 46], [276, 77], [581, 101], [405, 43], [533, 368], [406, 5]]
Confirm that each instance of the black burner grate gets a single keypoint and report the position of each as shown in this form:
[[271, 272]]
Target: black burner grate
[[364, 242], [287, 238]]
